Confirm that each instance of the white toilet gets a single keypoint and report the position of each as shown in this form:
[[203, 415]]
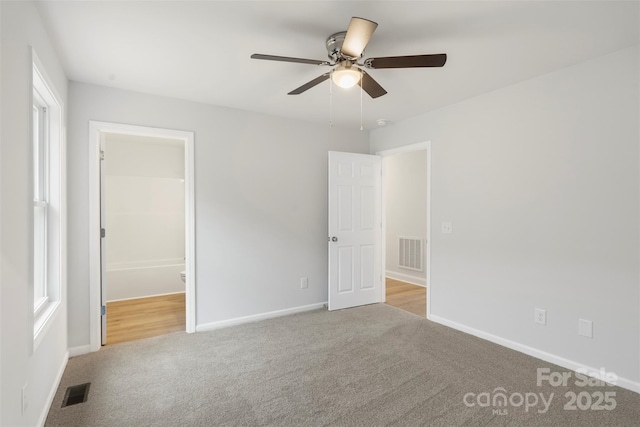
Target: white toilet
[[183, 276]]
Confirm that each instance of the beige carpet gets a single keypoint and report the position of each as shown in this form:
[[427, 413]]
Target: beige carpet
[[368, 366]]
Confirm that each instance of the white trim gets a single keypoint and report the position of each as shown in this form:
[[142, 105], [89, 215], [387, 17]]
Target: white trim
[[144, 265], [190, 227], [418, 281], [147, 296], [80, 350], [56, 197], [43, 321], [52, 393], [95, 128], [151, 267], [48, 82], [405, 149], [383, 231], [426, 145], [428, 240], [534, 352], [94, 239], [257, 317]]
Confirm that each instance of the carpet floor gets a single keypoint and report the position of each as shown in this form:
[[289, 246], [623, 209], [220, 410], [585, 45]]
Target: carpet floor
[[367, 366]]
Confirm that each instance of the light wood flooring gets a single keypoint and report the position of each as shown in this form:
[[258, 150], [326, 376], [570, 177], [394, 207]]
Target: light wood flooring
[[148, 317], [411, 298], [145, 317]]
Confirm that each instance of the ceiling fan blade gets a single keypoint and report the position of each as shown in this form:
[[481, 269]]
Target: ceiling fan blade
[[310, 84], [436, 60], [358, 35], [289, 59], [371, 86]]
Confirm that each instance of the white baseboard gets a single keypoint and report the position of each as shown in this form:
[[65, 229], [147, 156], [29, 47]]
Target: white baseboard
[[629, 385], [534, 352], [80, 350], [146, 296], [406, 278], [257, 317], [52, 392]]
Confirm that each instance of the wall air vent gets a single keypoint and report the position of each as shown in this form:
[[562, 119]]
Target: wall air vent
[[410, 253]]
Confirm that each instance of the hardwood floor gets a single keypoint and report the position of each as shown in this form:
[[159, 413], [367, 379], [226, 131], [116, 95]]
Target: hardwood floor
[[411, 298], [148, 317], [145, 317]]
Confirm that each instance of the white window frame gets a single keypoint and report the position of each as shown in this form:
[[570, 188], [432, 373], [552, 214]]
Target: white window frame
[[49, 210], [40, 135]]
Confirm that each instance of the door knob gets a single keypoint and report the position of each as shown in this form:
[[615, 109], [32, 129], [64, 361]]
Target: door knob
[[334, 239]]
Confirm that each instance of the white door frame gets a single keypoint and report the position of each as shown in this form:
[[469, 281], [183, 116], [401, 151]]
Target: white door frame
[[95, 128], [426, 145]]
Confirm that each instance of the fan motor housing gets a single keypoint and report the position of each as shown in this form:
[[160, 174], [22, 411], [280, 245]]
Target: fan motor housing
[[334, 45]]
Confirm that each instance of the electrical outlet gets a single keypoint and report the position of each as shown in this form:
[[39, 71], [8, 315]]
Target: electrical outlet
[[447, 227], [585, 328], [24, 400], [304, 283], [540, 316]]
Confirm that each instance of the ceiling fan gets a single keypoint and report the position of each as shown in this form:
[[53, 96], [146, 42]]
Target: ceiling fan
[[345, 49]]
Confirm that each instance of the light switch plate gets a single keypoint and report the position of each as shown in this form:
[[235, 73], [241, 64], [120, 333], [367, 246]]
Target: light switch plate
[[585, 328]]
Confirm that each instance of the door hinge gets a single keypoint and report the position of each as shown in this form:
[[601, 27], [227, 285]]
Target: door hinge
[[103, 310], [101, 155], [103, 233]]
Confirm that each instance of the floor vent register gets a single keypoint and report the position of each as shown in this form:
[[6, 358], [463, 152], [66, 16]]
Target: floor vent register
[[76, 394]]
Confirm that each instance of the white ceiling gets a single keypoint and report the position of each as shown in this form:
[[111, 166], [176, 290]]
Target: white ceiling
[[199, 50]]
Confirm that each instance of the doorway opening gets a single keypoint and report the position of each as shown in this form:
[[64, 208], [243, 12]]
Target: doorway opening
[[405, 211], [142, 245]]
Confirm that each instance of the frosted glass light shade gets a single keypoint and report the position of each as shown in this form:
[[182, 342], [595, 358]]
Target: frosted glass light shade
[[345, 76]]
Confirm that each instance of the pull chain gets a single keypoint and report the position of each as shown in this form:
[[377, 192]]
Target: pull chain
[[361, 90], [331, 99]]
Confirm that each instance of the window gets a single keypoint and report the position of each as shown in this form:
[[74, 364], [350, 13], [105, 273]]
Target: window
[[40, 184], [48, 213]]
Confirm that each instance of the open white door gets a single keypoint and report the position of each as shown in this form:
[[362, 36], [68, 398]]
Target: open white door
[[355, 270], [103, 248]]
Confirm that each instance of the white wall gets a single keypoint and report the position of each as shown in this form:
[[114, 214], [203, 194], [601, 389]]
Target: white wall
[[145, 216], [541, 183], [261, 201], [405, 187], [20, 363]]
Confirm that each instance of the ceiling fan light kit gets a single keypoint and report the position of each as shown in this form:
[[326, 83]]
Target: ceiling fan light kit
[[345, 49], [345, 75]]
